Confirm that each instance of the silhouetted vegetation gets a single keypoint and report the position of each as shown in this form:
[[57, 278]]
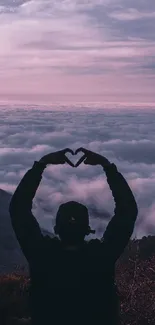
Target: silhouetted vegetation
[[135, 278]]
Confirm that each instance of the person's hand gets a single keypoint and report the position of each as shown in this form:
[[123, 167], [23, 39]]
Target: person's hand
[[91, 158], [57, 157]]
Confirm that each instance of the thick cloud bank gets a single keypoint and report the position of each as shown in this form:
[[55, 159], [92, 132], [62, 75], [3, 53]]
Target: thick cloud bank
[[126, 138]]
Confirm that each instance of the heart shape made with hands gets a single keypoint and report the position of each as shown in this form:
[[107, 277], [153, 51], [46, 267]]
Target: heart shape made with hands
[[74, 161]]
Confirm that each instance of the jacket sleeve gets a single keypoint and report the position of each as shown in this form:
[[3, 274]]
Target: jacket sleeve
[[25, 225], [121, 226]]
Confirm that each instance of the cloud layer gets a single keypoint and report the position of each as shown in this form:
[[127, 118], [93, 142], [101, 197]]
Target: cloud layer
[[126, 138], [66, 49]]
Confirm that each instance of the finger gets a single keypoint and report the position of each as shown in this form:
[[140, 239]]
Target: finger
[[86, 162], [68, 161], [80, 161], [68, 150], [81, 149]]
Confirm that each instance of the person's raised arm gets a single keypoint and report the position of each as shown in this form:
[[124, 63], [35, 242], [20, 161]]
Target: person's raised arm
[[25, 225], [121, 226]]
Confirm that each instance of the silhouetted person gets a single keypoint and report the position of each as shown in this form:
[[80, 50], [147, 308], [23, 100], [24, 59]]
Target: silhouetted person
[[72, 280]]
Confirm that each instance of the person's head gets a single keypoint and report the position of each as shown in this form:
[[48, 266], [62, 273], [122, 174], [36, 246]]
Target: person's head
[[72, 222]]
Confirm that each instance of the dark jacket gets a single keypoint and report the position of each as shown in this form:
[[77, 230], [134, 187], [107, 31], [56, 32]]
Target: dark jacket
[[73, 287]]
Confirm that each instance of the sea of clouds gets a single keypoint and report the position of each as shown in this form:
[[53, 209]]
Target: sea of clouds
[[125, 137]]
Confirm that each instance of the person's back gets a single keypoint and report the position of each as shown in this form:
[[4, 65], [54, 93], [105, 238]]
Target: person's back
[[73, 285], [72, 281]]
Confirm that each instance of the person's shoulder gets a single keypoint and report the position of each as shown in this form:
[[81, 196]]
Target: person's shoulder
[[52, 242], [94, 243]]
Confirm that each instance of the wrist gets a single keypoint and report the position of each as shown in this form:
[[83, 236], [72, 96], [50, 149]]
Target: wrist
[[38, 166], [105, 163], [110, 168], [42, 162]]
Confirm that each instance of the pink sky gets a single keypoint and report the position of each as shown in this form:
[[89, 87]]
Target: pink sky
[[72, 50]]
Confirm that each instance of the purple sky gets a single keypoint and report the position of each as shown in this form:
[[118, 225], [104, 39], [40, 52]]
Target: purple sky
[[77, 50]]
